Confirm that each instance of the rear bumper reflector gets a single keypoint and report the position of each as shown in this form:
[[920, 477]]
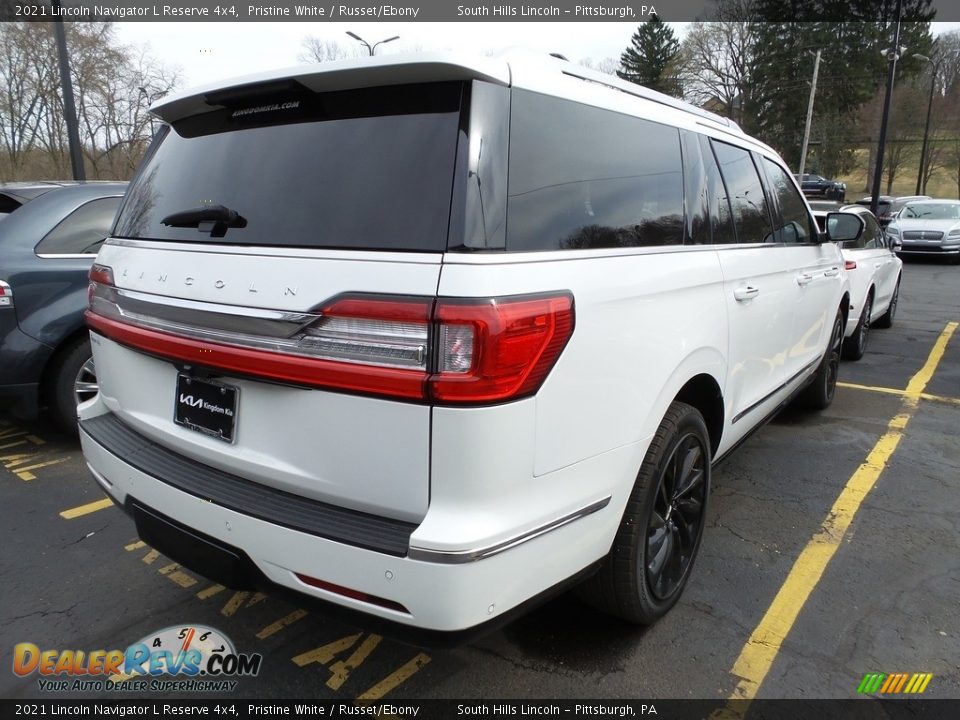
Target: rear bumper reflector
[[353, 594]]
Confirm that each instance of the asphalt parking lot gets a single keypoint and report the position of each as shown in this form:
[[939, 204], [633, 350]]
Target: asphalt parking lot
[[832, 551]]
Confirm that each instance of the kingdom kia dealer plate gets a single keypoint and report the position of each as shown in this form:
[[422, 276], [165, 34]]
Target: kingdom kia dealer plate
[[206, 406]]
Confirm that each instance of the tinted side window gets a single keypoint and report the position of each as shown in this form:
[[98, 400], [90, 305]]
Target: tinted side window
[[582, 177], [721, 216], [796, 227], [872, 237], [82, 231], [746, 193]]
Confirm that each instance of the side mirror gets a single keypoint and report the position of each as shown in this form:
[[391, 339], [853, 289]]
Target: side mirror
[[895, 243], [844, 227]]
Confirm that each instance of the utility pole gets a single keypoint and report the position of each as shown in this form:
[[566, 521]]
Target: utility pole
[[806, 130], [69, 107], [934, 68], [893, 55]]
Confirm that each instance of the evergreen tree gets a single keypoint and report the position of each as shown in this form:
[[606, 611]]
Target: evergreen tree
[[852, 35], [652, 57]]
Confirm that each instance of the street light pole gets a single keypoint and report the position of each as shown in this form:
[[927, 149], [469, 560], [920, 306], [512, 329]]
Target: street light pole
[[806, 129], [893, 55], [371, 48], [69, 107], [934, 68]]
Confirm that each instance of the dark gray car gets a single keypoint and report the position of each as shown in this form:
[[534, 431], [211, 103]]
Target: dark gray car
[[48, 241]]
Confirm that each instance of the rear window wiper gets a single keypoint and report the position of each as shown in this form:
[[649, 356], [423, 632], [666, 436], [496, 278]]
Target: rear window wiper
[[214, 219]]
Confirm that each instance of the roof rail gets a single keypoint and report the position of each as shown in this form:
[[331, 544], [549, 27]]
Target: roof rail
[[646, 93]]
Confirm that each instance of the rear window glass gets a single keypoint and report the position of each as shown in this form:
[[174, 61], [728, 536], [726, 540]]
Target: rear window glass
[[368, 169], [82, 231]]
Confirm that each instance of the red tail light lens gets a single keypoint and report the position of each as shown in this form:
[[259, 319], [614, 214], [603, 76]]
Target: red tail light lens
[[498, 349], [101, 274], [446, 351]]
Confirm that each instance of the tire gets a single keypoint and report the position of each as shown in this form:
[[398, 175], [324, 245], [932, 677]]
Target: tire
[[886, 320], [856, 345], [819, 394], [72, 380], [663, 521]]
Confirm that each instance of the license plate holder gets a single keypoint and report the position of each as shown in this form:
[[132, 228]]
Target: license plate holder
[[206, 406]]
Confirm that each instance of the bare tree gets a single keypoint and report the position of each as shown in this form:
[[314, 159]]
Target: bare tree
[[716, 59], [113, 86], [607, 66], [320, 50]]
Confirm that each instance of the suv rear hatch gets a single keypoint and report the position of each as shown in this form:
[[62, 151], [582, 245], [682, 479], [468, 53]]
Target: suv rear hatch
[[273, 230]]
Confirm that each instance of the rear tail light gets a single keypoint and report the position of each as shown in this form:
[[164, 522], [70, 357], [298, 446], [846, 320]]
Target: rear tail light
[[445, 351], [849, 265], [6, 295], [495, 350]]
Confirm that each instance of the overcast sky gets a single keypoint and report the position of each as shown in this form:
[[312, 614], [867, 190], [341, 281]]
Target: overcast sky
[[207, 52]]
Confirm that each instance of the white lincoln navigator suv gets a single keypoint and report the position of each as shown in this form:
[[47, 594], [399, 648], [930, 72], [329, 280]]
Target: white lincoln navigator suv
[[429, 337]]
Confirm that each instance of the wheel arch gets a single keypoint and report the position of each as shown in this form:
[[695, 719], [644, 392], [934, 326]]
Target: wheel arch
[[49, 368], [703, 392], [697, 382]]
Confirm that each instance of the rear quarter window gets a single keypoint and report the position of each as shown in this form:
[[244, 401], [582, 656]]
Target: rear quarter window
[[583, 177]]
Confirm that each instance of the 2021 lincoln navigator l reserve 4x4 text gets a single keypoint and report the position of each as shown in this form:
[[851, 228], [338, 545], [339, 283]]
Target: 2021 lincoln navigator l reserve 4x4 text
[[428, 336]]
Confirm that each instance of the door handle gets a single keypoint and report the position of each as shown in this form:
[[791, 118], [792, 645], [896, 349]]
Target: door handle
[[832, 272], [747, 292], [804, 278]]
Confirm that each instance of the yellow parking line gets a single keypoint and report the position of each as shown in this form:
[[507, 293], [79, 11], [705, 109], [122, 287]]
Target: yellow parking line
[[394, 679], [13, 444], [13, 433], [86, 509], [901, 393], [340, 671], [210, 591], [178, 576], [11, 461], [25, 473], [274, 628], [151, 557], [134, 546], [757, 656]]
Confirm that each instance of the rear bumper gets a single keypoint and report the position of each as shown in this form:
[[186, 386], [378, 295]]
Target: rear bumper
[[448, 595], [22, 360]]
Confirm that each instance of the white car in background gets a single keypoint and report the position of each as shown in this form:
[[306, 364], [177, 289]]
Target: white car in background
[[874, 270], [928, 227]]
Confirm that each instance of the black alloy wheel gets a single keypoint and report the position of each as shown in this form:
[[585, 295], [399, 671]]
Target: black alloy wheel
[[855, 346], [676, 518], [886, 320]]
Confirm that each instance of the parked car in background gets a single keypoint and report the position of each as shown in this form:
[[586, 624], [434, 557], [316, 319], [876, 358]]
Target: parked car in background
[[47, 243], [818, 186], [15, 195], [874, 271], [825, 206], [928, 228], [888, 207]]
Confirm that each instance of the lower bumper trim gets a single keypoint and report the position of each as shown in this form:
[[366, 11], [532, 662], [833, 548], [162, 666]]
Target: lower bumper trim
[[350, 527]]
